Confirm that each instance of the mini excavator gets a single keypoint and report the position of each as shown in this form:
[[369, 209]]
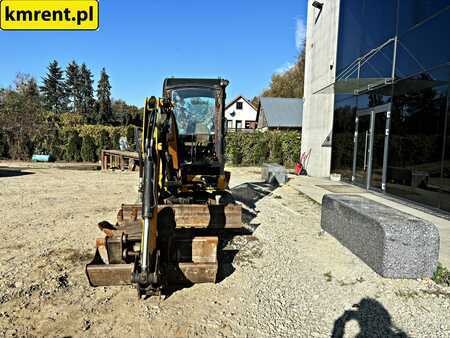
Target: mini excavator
[[171, 238]]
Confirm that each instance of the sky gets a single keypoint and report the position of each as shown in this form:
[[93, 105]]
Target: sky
[[141, 42]]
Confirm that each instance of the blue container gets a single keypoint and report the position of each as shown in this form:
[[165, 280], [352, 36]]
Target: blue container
[[41, 158]]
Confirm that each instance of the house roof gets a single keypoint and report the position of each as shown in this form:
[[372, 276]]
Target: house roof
[[237, 98], [282, 112]]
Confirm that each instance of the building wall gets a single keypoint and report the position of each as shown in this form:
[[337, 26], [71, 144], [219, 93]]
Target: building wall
[[320, 70], [247, 113]]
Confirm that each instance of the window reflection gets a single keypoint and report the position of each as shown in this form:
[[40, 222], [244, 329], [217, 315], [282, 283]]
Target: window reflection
[[416, 140], [419, 141], [194, 110], [343, 131], [414, 12], [424, 47]]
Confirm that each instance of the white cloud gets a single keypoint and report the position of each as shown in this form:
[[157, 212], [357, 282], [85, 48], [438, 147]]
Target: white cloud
[[300, 33], [284, 68]]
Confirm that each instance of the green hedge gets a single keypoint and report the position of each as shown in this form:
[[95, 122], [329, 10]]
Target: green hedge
[[281, 147], [83, 142]]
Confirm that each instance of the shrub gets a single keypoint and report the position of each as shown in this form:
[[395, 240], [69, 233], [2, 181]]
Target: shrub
[[104, 142], [73, 147], [115, 138], [275, 147], [88, 149], [72, 119], [3, 145], [233, 152], [441, 275], [255, 148], [290, 147], [131, 137]]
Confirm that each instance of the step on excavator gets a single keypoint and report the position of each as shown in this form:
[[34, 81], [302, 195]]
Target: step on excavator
[[171, 237]]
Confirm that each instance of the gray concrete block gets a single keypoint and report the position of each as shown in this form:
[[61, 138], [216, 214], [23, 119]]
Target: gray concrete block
[[274, 173], [393, 243]]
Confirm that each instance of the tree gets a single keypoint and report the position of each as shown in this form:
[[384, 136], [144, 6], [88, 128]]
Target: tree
[[21, 116], [73, 87], [53, 89], [73, 148], [125, 114], [88, 149], [104, 142], [289, 83], [255, 102], [104, 113], [86, 91]]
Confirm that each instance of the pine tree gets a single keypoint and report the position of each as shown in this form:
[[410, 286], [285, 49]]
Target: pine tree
[[53, 89], [104, 107], [86, 91], [73, 86]]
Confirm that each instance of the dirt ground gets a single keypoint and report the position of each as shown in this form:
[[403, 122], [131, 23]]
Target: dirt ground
[[287, 278]]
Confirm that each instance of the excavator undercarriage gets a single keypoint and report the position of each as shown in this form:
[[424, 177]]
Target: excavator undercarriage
[[171, 237]]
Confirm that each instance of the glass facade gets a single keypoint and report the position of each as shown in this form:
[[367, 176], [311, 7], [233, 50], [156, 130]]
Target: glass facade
[[396, 55]]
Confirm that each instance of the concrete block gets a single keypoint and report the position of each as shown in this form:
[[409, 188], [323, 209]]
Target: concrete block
[[274, 173], [394, 244], [335, 177]]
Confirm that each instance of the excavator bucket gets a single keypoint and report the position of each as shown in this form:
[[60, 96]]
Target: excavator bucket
[[192, 256]]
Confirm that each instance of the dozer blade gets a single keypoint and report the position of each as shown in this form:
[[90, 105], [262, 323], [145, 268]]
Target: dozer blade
[[101, 274]]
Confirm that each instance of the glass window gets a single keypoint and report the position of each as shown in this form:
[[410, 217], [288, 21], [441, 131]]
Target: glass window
[[416, 137], [343, 131], [414, 12], [350, 32], [363, 26], [239, 105], [379, 21], [238, 124], [229, 124], [194, 110], [424, 47]]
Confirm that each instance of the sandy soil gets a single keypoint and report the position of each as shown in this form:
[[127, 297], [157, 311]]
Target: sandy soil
[[288, 280]]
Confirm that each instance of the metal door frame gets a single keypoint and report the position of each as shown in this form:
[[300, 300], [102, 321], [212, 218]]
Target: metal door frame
[[385, 108]]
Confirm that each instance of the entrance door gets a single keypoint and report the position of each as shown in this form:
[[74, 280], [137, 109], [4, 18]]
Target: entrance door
[[371, 147], [361, 154]]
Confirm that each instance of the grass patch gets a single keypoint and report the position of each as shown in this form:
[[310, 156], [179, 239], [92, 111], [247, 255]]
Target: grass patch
[[328, 276], [408, 294], [441, 276]]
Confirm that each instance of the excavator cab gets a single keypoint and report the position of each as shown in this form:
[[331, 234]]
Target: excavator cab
[[199, 106]]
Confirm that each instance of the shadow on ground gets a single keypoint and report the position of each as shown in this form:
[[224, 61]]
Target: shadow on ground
[[231, 241], [248, 194], [13, 172], [373, 320]]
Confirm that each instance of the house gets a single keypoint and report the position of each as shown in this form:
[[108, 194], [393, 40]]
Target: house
[[240, 114], [280, 113]]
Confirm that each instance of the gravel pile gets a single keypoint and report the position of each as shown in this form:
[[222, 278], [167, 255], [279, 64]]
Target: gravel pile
[[286, 279]]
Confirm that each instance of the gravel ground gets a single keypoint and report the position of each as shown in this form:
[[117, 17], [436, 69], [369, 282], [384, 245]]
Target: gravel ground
[[289, 279]]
